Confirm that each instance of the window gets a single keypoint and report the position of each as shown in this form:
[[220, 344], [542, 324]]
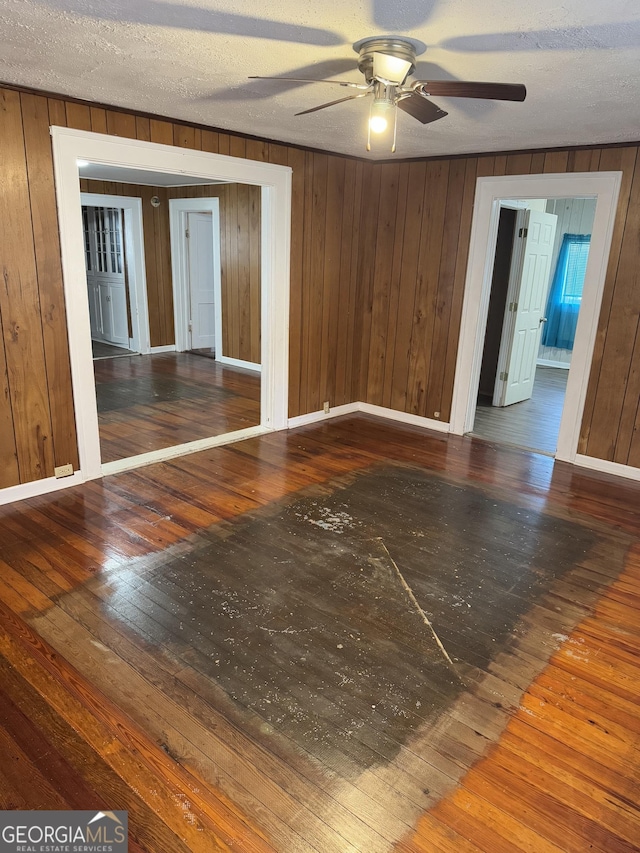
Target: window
[[565, 294]]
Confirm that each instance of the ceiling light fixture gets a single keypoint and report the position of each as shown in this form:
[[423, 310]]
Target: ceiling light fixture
[[383, 117], [387, 63]]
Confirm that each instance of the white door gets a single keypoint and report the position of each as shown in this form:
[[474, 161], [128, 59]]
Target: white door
[[106, 283], [201, 280], [525, 311]]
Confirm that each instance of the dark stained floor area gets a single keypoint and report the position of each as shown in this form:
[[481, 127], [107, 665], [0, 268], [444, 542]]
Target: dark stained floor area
[[350, 637], [150, 402], [532, 424]]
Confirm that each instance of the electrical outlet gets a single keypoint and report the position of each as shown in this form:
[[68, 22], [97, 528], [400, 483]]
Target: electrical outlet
[[326, 407], [63, 470]]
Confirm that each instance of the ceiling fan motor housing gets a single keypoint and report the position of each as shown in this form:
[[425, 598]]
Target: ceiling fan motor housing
[[391, 46]]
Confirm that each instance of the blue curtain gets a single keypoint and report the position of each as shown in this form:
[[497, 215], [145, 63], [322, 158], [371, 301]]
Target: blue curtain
[[565, 294]]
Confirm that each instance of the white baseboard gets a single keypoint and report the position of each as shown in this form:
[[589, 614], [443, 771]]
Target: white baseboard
[[238, 362], [39, 487], [404, 417], [168, 348], [369, 409], [176, 450], [546, 362], [616, 468], [314, 417]]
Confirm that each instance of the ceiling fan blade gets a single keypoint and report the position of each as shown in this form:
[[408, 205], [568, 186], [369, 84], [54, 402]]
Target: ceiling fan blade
[[308, 80], [420, 107], [462, 89], [332, 103]]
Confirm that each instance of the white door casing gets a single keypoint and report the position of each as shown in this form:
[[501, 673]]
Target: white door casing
[[71, 145], [605, 188], [180, 209], [524, 313], [202, 307]]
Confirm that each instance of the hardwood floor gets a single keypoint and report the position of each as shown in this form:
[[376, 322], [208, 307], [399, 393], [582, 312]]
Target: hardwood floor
[[533, 424], [149, 402], [348, 637], [101, 350]]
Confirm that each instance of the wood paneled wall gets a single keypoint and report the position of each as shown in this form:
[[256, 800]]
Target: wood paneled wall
[[416, 226], [240, 260], [378, 261]]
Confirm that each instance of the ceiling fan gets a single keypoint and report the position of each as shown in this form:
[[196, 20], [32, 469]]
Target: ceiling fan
[[387, 62]]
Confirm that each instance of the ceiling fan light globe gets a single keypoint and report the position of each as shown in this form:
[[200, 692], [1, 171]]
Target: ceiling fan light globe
[[378, 124]]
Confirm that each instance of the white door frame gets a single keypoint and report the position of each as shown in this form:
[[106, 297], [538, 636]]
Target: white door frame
[[605, 187], [69, 146], [179, 209], [134, 259]]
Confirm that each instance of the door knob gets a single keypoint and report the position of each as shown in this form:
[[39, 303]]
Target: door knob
[[542, 320]]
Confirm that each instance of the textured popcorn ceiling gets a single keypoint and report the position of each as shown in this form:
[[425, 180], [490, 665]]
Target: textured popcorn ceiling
[[189, 59]]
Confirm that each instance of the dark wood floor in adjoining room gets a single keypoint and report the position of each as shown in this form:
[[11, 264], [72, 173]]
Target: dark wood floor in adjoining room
[[349, 637], [150, 402], [534, 423]]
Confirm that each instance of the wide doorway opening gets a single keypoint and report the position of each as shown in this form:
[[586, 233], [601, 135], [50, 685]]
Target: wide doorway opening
[[492, 195], [540, 260], [203, 284]]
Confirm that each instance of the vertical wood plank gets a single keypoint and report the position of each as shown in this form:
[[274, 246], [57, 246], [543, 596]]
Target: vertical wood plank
[[184, 136], [210, 141], [366, 271], [348, 236], [518, 164], [78, 116], [98, 120], [161, 131], [307, 282], [143, 129], [57, 112], [354, 312], [9, 473], [296, 159], [556, 161], [256, 149], [396, 272], [408, 285], [20, 305], [381, 291], [316, 279], [446, 285], [537, 163], [237, 146], [428, 266], [332, 297], [121, 124], [46, 243], [278, 154]]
